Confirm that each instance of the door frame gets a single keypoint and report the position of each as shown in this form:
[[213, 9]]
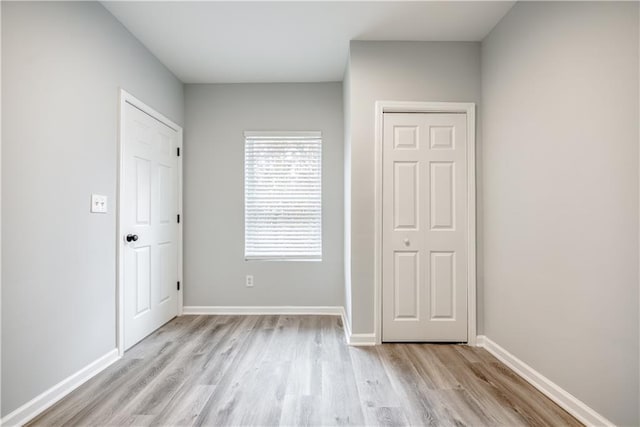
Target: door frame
[[469, 108], [127, 98]]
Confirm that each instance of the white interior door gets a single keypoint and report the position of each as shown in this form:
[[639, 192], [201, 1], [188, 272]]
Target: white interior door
[[149, 224], [425, 231]]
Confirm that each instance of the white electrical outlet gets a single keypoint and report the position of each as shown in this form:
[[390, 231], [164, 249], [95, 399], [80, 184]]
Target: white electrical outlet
[[98, 203], [249, 281]]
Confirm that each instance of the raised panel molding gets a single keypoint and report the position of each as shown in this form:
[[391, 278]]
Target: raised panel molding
[[405, 203], [165, 146], [405, 138], [143, 279], [442, 195], [442, 138], [143, 191], [143, 132], [165, 255], [442, 285], [406, 270], [165, 213]]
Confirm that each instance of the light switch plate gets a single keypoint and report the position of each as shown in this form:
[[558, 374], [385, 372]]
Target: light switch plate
[[98, 203]]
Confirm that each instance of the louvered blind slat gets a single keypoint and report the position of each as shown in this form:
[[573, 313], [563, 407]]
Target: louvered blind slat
[[283, 196]]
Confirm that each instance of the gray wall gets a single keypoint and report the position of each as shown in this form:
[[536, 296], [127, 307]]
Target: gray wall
[[214, 266], [62, 66], [393, 71], [560, 100]]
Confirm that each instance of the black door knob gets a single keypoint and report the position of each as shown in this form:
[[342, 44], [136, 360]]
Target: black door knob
[[132, 237]]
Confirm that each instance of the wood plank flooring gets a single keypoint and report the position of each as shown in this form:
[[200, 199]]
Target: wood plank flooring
[[294, 371]]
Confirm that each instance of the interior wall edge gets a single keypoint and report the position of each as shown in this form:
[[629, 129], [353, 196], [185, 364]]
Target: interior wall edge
[[63, 65]]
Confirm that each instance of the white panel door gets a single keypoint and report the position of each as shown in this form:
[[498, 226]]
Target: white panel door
[[425, 231], [149, 224]]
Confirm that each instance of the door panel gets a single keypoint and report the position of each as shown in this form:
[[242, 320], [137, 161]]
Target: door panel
[[143, 191], [424, 238], [165, 209], [149, 207], [142, 280], [405, 200], [442, 194], [406, 285], [405, 137], [442, 285], [167, 287]]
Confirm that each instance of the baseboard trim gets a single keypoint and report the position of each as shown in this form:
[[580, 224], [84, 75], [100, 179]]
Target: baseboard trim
[[356, 340], [560, 396], [362, 340], [262, 310], [352, 339], [40, 403], [346, 326]]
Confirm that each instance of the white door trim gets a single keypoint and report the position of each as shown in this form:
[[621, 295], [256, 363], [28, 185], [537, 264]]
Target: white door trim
[[127, 98], [469, 109]]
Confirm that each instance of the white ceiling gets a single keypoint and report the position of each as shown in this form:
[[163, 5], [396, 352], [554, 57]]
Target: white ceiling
[[308, 41]]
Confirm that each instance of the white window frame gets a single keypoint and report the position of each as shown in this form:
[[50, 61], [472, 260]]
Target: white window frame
[[282, 135]]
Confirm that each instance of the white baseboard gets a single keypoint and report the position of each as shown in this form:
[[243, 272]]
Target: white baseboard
[[355, 339], [264, 310], [352, 339], [346, 325], [362, 339], [563, 398], [40, 403]]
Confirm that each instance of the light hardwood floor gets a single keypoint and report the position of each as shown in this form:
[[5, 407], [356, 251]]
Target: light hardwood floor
[[297, 370]]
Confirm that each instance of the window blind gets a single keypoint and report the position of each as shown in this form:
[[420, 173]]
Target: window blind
[[283, 196]]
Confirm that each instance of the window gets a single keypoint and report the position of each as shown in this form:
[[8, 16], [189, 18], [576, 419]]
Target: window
[[283, 196]]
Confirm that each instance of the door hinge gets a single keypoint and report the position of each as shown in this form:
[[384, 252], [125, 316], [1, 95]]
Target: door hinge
[[178, 285], [178, 150], [178, 218]]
